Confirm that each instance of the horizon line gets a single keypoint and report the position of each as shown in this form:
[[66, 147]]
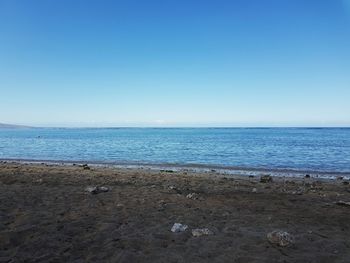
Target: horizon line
[[152, 125], [173, 127]]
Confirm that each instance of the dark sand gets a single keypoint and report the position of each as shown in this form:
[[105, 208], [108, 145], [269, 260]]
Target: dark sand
[[47, 216]]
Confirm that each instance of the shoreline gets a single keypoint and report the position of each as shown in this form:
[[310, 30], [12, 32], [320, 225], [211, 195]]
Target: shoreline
[[195, 168]]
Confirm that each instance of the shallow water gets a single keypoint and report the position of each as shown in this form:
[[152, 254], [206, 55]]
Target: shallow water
[[316, 149]]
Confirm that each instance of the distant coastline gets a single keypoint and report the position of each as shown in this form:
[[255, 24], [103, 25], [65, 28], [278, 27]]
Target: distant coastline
[[13, 126]]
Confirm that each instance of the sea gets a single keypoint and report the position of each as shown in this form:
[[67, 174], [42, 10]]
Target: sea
[[296, 150]]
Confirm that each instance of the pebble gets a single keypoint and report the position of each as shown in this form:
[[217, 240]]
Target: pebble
[[266, 179], [39, 181], [96, 189], [343, 203], [103, 189], [193, 196], [91, 189], [177, 228], [201, 232], [280, 238]]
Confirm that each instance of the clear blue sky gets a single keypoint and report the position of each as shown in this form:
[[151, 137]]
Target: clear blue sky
[[175, 63]]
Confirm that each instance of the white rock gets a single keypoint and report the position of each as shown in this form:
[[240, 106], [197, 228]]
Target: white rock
[[255, 190], [192, 196], [96, 189], [201, 232], [103, 189], [280, 238], [91, 189], [177, 227]]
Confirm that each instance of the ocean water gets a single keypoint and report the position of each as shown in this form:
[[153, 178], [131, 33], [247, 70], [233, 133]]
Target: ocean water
[[315, 149]]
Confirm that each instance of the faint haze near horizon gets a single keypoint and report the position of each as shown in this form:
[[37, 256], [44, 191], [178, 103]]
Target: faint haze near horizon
[[175, 63]]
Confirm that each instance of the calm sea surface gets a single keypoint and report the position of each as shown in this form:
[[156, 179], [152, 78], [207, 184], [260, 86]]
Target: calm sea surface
[[284, 148]]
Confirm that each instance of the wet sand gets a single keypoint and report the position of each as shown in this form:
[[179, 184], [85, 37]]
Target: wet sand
[[46, 215]]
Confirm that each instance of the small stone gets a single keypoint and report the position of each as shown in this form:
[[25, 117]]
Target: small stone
[[266, 178], [201, 232], [343, 203], [255, 190], [299, 191], [346, 183], [193, 196], [91, 189], [103, 189], [96, 189], [340, 178], [280, 238], [307, 176], [177, 227], [39, 181]]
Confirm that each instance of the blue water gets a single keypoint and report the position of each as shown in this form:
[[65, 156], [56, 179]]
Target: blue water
[[282, 148]]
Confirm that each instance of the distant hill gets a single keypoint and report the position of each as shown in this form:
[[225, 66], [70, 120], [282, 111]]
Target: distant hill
[[12, 126]]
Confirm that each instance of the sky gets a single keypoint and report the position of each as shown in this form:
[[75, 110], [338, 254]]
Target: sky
[[175, 63]]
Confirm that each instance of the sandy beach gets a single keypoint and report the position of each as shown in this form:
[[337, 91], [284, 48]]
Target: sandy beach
[[47, 215]]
